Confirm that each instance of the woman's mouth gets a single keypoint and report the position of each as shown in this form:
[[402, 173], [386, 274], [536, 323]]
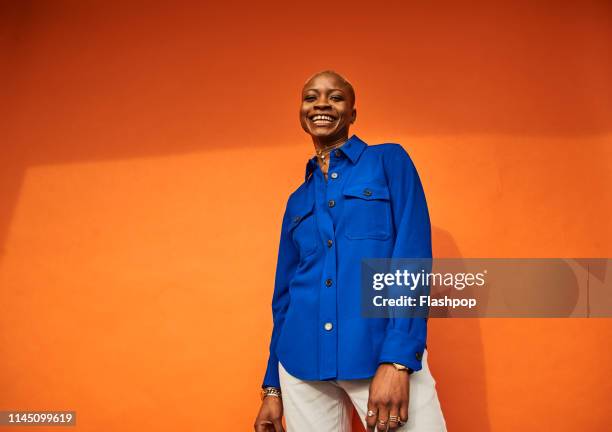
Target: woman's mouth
[[322, 119]]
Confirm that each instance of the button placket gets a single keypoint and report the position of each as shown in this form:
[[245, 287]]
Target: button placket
[[328, 193]]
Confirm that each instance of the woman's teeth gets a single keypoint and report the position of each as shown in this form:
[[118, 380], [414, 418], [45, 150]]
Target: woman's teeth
[[322, 118]]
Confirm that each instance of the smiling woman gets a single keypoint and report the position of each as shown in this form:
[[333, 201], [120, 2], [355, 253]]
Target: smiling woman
[[328, 110], [357, 201]]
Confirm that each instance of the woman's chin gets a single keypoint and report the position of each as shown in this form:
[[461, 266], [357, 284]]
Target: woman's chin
[[321, 132]]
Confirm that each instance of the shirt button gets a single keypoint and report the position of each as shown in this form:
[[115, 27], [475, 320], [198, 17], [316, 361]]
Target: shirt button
[[328, 282], [334, 175], [367, 192], [337, 153], [331, 203], [330, 242], [328, 326], [418, 356]]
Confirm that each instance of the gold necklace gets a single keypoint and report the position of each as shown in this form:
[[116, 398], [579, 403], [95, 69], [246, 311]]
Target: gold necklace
[[322, 154]]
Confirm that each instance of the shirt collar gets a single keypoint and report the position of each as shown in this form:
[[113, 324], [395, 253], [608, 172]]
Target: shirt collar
[[352, 149]]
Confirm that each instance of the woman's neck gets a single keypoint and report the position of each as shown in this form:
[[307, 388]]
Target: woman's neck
[[325, 146]]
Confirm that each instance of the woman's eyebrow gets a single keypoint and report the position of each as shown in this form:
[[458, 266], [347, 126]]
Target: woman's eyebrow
[[331, 90]]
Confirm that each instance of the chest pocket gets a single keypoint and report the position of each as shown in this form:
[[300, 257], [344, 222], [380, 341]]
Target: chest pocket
[[367, 211], [303, 230]]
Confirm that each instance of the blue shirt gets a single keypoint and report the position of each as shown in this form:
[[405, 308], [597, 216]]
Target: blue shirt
[[371, 206]]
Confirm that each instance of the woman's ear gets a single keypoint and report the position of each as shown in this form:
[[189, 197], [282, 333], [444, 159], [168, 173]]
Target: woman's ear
[[354, 115]]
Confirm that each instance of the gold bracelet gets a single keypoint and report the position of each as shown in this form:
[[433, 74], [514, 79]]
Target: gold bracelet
[[270, 391]]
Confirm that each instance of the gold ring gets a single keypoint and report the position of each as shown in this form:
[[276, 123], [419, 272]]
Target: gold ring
[[382, 422], [394, 418]]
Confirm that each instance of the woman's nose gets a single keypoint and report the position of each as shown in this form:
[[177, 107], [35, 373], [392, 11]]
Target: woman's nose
[[321, 103]]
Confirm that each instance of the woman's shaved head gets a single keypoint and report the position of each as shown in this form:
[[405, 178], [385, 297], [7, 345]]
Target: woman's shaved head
[[344, 81]]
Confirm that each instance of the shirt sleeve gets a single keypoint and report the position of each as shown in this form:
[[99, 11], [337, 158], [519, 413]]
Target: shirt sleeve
[[288, 258], [405, 338]]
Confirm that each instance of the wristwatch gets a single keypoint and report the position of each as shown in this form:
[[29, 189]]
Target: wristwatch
[[270, 391], [401, 367]]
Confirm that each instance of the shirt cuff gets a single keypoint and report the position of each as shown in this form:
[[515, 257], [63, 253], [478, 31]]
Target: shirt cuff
[[400, 347], [271, 378]]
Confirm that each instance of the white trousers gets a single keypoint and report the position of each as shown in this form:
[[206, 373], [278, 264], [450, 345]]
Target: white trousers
[[325, 406]]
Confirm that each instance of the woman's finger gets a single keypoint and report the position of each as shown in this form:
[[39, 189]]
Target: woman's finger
[[371, 417], [278, 426], [264, 426], [403, 413], [383, 418], [394, 417]]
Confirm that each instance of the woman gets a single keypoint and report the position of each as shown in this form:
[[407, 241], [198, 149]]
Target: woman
[[357, 201]]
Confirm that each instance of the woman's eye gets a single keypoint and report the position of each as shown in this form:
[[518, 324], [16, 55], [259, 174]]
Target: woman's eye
[[309, 98]]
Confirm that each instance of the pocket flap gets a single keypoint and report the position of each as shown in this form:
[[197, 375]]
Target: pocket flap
[[367, 191], [299, 213]]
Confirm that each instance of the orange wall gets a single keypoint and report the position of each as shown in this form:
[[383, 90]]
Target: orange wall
[[148, 150]]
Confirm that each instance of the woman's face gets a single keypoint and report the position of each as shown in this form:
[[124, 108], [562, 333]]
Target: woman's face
[[327, 108]]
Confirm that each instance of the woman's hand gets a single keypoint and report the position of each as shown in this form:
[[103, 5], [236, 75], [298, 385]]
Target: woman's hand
[[389, 396], [270, 415]]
